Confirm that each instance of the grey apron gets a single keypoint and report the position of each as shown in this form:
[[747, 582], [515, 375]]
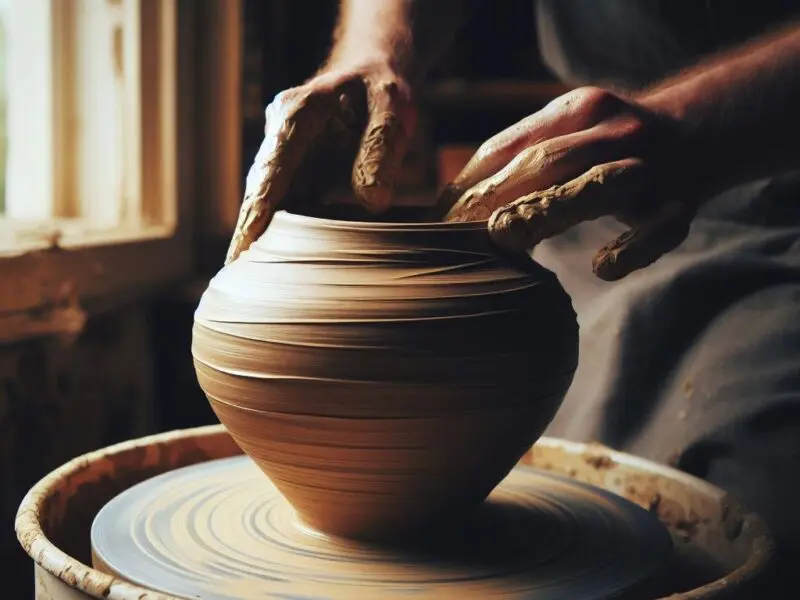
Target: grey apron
[[694, 361]]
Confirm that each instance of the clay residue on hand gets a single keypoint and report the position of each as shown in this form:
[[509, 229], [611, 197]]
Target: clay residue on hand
[[293, 127], [265, 173], [524, 223], [378, 162], [645, 243], [255, 214]]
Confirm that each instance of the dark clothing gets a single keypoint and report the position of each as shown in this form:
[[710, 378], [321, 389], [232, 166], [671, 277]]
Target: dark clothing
[[694, 361], [627, 44]]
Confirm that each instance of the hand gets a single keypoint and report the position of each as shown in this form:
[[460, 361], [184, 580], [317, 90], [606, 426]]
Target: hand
[[585, 155], [367, 107]]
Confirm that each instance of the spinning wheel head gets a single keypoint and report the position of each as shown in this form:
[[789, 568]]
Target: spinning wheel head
[[220, 530]]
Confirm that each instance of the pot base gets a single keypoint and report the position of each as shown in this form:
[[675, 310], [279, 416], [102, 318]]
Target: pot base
[[221, 530]]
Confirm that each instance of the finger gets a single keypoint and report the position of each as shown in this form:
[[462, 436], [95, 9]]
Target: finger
[[383, 147], [570, 113], [537, 167], [292, 126], [641, 246], [541, 166], [603, 190]]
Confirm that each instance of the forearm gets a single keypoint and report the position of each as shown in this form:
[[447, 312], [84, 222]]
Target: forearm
[[406, 34], [742, 110]]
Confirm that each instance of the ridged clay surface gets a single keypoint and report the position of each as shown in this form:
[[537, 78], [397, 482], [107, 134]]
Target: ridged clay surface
[[383, 374], [220, 531]]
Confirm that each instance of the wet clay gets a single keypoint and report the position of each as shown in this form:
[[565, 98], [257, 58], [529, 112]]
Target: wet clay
[[383, 375], [221, 531]]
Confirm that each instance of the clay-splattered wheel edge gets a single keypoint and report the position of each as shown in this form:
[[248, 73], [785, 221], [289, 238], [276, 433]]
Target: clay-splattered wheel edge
[[66, 576]]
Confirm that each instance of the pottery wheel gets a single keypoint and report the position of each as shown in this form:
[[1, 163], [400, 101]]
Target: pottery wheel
[[220, 530]]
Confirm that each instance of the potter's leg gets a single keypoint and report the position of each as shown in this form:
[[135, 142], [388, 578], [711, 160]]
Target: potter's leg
[[696, 362], [730, 411]]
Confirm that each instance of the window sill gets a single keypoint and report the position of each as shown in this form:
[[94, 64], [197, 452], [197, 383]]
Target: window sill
[[20, 238], [54, 277]]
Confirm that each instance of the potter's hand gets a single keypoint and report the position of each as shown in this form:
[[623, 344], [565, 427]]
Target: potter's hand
[[366, 109], [587, 154]]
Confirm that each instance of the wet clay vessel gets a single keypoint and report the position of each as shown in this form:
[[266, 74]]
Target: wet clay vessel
[[383, 375]]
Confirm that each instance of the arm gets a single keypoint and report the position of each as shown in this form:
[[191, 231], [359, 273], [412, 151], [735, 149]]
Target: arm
[[742, 108], [407, 35]]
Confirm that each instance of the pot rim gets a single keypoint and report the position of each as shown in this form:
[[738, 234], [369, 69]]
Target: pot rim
[[297, 218]]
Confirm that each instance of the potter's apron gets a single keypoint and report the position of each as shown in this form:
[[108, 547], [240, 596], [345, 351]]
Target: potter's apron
[[694, 361]]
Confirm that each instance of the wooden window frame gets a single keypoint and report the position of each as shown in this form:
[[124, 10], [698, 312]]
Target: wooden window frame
[[57, 272]]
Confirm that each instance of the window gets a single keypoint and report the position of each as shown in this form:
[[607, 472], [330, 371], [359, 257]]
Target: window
[[89, 122], [97, 162]]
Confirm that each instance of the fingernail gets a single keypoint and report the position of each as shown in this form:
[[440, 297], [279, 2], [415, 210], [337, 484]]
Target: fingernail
[[604, 266]]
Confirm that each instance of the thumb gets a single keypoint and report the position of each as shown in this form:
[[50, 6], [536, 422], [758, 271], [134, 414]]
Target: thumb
[[641, 246]]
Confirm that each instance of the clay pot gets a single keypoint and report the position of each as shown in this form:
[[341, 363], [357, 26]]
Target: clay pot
[[383, 375]]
